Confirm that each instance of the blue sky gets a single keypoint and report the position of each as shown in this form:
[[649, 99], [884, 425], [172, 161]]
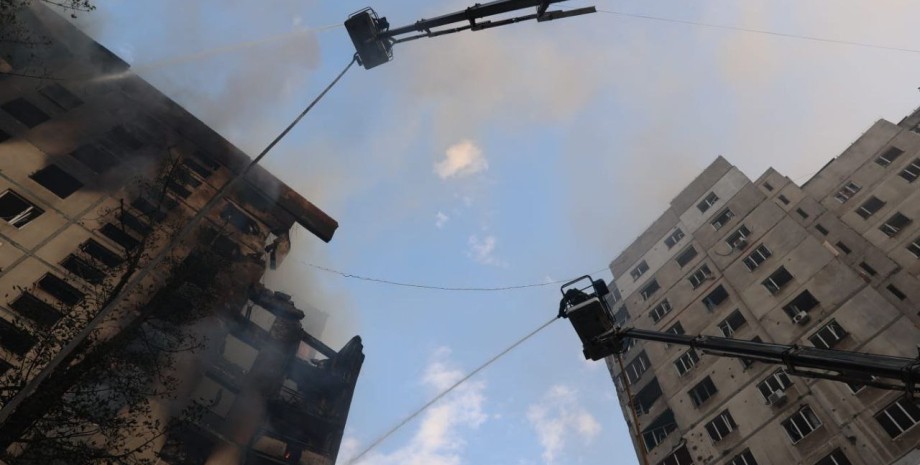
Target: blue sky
[[523, 154]]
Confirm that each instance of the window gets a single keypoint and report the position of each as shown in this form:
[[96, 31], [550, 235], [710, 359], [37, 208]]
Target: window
[[855, 388], [744, 458], [660, 310], [702, 392], [889, 156], [899, 417], [777, 382], [650, 289], [60, 289], [128, 219], [847, 192], [870, 207], [782, 198], [686, 361], [716, 297], [247, 225], [676, 328], [175, 187], [239, 353], [777, 280], [731, 324], [101, 253], [119, 236], [758, 256], [60, 96], [636, 368], [27, 114], [644, 400], [868, 269], [655, 433], [149, 210], [912, 172], [699, 276], [821, 229], [802, 213], [896, 292], [914, 247], [837, 457], [679, 457], [35, 309], [14, 339], [621, 316], [735, 239], [707, 202], [686, 256], [215, 394], [843, 248], [639, 270], [803, 302], [95, 158], [768, 186], [801, 424], [722, 218], [674, 238], [16, 210], [57, 181], [828, 336], [83, 269], [120, 140], [895, 224], [721, 426], [200, 167]]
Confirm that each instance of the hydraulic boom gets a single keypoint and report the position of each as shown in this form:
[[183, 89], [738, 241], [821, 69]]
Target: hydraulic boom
[[602, 336]]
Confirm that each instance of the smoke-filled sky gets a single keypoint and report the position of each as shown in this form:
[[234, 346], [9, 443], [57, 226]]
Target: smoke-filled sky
[[516, 155]]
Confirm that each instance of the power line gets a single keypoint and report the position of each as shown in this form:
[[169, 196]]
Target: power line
[[443, 393], [760, 31], [438, 288]]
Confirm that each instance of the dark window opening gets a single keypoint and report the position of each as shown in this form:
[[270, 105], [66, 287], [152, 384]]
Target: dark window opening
[[16, 210], [768, 186], [722, 219], [221, 244], [707, 202], [721, 426], [703, 391], [744, 458], [738, 239], [120, 140], [676, 328], [184, 176], [716, 297], [912, 172], [244, 223], [135, 223], [847, 192], [782, 198], [56, 180], [621, 316], [36, 309], [777, 280], [173, 185], [828, 336], [801, 424], [870, 207], [674, 238], [686, 256], [732, 323], [650, 289], [899, 417], [60, 289], [837, 457], [895, 224], [119, 236], [203, 169], [821, 229], [655, 433], [83, 269], [802, 213], [4, 136], [843, 248], [101, 253], [896, 292], [889, 156], [14, 339], [868, 269], [60, 96], [646, 397], [803, 302], [26, 113], [636, 272], [679, 457], [149, 210], [95, 158]]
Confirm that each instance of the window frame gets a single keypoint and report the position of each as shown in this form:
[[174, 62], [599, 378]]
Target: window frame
[[871, 206], [732, 323], [25, 216], [911, 172], [802, 415], [658, 312], [640, 269], [702, 391], [707, 202], [751, 261], [773, 285], [674, 238], [722, 219], [699, 276], [778, 381], [728, 423], [912, 414], [888, 157], [686, 361], [831, 328]]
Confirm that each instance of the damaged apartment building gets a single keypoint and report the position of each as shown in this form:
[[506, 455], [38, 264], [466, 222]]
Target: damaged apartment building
[[833, 263], [97, 171]]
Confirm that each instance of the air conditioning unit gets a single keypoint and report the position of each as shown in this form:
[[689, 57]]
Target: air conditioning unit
[[800, 318], [777, 398]]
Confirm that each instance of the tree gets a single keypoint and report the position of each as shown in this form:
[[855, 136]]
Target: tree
[[104, 404]]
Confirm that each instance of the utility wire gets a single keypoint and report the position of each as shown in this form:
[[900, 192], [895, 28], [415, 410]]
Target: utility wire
[[438, 288], [760, 31], [443, 393], [183, 234]]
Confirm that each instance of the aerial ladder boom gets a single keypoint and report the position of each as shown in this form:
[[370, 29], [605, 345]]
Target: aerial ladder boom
[[601, 336]]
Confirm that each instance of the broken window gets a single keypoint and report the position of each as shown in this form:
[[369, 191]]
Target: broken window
[[837, 457], [900, 416], [716, 297], [680, 457], [655, 433], [239, 353], [870, 207], [847, 192], [801, 424], [60, 289], [721, 426], [128, 219], [782, 198], [26, 113], [119, 236], [676, 328], [703, 391], [803, 302], [639, 270], [56, 180], [660, 310], [95, 158], [101, 253], [777, 382], [646, 397], [16, 210], [729, 325], [895, 224], [148, 209], [758, 256], [674, 238], [912, 172], [120, 140], [177, 188], [889, 156], [707, 202], [35, 309], [738, 239], [777, 280], [244, 223], [686, 256], [202, 167], [649, 289], [686, 361], [699, 276], [722, 219], [60, 96], [15, 339], [744, 458], [828, 336], [621, 316], [636, 368]]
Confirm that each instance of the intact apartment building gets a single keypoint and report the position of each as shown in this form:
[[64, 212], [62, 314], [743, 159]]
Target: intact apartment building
[[82, 143], [833, 263]]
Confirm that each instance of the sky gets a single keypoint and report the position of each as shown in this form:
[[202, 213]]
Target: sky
[[517, 155]]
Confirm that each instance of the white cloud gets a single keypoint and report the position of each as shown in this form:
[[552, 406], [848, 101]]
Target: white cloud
[[557, 417], [440, 220], [439, 437], [482, 250], [461, 159]]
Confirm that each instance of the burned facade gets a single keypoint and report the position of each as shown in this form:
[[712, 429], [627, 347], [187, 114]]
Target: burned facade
[[833, 263], [98, 172]]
